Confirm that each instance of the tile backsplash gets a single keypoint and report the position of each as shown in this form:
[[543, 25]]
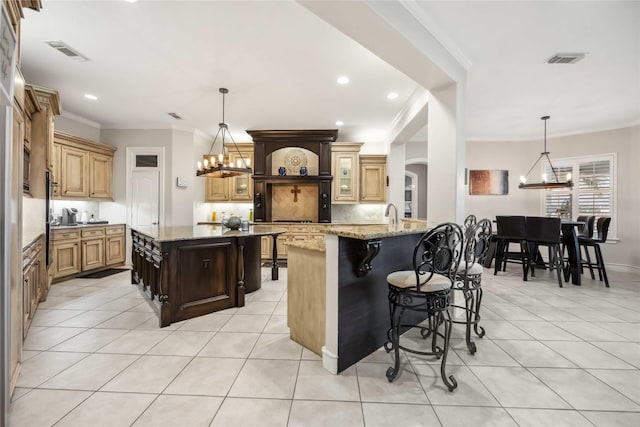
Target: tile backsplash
[[92, 208]]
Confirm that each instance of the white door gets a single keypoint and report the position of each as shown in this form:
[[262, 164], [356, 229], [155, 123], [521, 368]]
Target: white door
[[145, 190]]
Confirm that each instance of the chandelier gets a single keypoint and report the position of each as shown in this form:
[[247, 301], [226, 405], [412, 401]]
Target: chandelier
[[220, 165], [545, 184]]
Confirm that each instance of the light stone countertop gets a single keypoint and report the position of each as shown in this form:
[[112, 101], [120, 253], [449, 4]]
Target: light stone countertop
[[368, 232], [168, 234], [87, 225], [311, 244]]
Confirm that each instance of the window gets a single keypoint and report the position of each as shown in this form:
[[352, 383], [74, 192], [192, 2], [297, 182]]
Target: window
[[593, 192], [146, 161]]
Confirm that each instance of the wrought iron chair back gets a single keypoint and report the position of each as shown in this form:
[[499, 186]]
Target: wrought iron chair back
[[439, 251], [477, 242], [469, 223]]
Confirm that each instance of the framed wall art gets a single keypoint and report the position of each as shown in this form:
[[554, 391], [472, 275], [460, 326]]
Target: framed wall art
[[488, 182]]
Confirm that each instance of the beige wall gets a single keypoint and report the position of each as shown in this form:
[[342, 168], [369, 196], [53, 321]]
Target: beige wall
[[518, 156]]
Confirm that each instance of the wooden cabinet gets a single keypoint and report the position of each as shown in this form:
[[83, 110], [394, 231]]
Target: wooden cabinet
[[87, 248], [114, 249], [294, 232], [74, 171], [373, 178], [42, 122], [93, 248], [216, 190], [345, 170], [266, 247], [83, 168], [235, 189], [34, 274], [66, 253]]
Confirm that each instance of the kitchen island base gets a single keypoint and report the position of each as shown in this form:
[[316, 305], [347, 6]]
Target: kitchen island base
[[187, 272]]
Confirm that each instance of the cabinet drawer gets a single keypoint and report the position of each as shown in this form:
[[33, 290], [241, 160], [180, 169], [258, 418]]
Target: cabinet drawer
[[66, 234], [115, 229], [298, 229], [93, 232]]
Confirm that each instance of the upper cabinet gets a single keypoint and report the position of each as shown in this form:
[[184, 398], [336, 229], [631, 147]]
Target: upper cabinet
[[345, 170], [83, 169], [373, 178], [235, 189]]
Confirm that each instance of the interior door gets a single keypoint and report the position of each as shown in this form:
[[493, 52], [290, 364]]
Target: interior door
[[145, 193]]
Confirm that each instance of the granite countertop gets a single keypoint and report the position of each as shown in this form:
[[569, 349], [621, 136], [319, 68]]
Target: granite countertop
[[65, 227], [367, 232], [28, 237], [311, 244], [168, 234]]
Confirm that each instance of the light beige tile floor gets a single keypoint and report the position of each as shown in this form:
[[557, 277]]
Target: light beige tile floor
[[552, 356]]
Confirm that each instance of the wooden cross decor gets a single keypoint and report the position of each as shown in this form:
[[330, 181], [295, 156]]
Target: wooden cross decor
[[295, 193]]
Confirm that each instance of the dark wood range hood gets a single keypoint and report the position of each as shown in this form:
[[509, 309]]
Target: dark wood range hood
[[267, 142]]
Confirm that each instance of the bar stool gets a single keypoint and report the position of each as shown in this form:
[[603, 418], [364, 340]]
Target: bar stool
[[469, 277], [426, 291], [586, 242]]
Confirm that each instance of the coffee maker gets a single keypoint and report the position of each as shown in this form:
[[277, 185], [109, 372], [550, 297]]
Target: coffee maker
[[69, 216]]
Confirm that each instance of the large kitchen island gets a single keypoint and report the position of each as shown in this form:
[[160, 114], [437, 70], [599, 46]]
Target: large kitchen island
[[190, 271]]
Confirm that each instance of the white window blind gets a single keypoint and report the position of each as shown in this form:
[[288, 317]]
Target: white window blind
[[593, 192]]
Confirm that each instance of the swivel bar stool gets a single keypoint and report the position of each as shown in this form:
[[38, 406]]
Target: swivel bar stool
[[425, 291], [469, 277]]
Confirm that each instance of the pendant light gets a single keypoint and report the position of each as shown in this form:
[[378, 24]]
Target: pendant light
[[219, 165], [544, 184]]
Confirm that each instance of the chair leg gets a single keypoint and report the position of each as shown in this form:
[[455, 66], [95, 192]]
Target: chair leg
[[498, 258], [556, 261], [600, 262], [393, 371], [468, 305], [589, 263], [479, 330], [524, 258], [450, 382]]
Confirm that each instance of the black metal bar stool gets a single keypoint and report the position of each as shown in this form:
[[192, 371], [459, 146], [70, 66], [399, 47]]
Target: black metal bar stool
[[469, 278], [544, 231], [426, 291], [586, 242], [511, 229]]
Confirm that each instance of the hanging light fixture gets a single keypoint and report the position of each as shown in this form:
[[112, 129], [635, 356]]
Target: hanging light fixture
[[544, 184], [219, 165]]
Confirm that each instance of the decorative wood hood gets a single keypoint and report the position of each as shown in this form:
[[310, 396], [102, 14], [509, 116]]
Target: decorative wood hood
[[268, 142]]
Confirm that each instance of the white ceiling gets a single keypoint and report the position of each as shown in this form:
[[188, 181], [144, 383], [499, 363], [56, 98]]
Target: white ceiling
[[280, 63]]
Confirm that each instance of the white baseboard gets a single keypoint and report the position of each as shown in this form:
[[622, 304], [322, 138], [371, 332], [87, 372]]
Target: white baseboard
[[329, 360], [623, 268]]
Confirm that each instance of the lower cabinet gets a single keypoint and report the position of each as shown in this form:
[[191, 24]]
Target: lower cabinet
[[34, 274], [84, 249], [297, 232]]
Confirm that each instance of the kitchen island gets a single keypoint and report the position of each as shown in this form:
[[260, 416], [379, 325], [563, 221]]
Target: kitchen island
[[355, 305], [190, 271]]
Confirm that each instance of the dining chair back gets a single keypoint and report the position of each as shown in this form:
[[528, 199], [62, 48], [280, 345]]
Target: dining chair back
[[587, 229], [511, 229]]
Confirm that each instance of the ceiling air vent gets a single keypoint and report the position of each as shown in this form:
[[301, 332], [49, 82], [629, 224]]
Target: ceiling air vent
[[565, 58], [62, 47], [175, 116]]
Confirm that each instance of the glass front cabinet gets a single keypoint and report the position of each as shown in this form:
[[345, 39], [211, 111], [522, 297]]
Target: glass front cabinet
[[344, 161]]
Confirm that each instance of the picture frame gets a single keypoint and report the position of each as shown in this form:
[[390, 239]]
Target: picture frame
[[492, 182]]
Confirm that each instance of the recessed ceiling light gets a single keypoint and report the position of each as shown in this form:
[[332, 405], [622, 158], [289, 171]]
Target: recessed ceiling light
[[343, 80], [91, 97], [392, 95], [131, 1], [339, 122]]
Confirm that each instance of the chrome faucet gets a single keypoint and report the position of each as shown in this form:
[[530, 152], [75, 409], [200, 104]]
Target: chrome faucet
[[394, 220]]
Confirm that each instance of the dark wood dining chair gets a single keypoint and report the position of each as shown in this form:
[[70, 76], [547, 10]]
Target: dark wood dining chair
[[511, 229], [545, 231]]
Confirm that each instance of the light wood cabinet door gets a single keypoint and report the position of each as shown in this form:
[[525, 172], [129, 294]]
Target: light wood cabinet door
[[266, 247], [216, 190], [241, 187], [114, 250], [66, 258], [281, 246], [57, 159], [92, 254], [100, 168], [49, 142], [373, 176], [74, 172], [345, 177], [26, 300]]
